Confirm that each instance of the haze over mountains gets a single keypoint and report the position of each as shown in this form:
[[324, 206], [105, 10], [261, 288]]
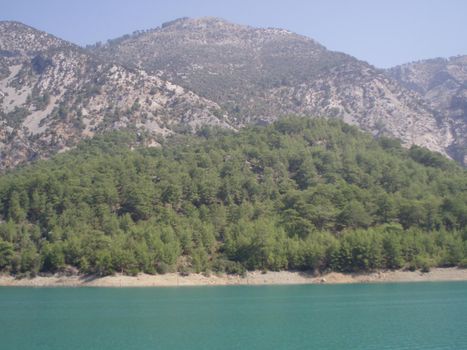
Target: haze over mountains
[[193, 72]]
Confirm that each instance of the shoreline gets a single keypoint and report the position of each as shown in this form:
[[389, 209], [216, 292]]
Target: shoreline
[[252, 278]]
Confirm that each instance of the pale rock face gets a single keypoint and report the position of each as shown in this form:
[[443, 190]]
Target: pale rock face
[[195, 72], [443, 84], [53, 94], [261, 74]]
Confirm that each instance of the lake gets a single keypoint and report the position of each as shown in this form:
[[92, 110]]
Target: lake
[[364, 316]]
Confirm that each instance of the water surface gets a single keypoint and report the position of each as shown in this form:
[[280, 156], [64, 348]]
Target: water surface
[[372, 316]]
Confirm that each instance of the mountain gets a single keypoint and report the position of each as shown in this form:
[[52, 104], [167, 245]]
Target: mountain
[[443, 83], [257, 75], [54, 93], [194, 72]]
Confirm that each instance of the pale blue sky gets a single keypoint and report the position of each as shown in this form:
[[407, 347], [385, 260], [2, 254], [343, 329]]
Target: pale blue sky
[[384, 33]]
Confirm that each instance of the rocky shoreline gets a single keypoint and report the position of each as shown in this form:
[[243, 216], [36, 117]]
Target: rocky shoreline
[[251, 278]]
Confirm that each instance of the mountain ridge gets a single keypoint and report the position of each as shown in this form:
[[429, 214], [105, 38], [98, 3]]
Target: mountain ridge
[[193, 72], [57, 93], [257, 73]]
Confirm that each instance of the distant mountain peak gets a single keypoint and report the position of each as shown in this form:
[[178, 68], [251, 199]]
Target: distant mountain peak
[[19, 37], [265, 73], [203, 21], [15, 25], [196, 71], [54, 93]]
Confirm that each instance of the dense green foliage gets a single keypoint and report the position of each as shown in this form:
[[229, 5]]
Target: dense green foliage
[[298, 194]]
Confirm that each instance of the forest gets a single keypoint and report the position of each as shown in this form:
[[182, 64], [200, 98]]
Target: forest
[[299, 194]]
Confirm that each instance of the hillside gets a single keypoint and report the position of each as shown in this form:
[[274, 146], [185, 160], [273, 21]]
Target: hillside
[[299, 194], [258, 75], [443, 83], [195, 72], [53, 94]]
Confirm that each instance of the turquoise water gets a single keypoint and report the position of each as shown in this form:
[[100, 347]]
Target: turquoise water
[[378, 316]]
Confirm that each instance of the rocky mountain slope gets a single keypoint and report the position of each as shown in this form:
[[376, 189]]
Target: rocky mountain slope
[[53, 93], [261, 74], [442, 82], [192, 72]]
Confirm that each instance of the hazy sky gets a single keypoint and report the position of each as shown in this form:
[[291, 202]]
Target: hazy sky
[[384, 33]]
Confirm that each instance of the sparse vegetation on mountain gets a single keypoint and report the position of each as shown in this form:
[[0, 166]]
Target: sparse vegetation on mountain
[[195, 72], [261, 74], [53, 94], [443, 83]]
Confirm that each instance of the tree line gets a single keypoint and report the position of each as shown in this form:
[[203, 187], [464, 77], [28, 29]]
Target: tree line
[[302, 194]]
